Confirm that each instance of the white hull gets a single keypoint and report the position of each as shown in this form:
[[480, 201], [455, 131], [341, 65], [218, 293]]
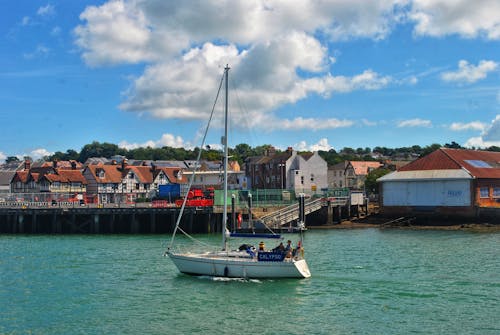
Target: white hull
[[226, 265]]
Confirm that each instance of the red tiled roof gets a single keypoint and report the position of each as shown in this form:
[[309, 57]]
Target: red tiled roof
[[112, 174], [171, 173], [21, 176], [72, 175], [143, 173], [361, 167], [445, 159]]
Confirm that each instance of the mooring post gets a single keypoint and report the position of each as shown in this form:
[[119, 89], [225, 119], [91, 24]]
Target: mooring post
[[134, 229], [233, 212], [152, 220], [250, 221], [34, 222], [302, 213], [94, 228], [329, 219], [20, 223]]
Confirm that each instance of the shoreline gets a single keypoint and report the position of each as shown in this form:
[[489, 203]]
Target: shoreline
[[379, 223]]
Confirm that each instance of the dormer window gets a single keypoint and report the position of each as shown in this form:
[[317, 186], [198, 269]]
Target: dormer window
[[131, 176], [101, 173]]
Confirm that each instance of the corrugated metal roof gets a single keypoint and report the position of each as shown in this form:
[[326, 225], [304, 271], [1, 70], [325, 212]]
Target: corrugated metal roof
[[448, 159], [426, 175]]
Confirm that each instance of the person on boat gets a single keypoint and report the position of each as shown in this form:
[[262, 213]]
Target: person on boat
[[288, 246], [280, 247]]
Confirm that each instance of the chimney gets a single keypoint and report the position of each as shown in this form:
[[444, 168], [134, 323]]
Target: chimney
[[54, 164], [73, 165], [124, 164], [27, 165]]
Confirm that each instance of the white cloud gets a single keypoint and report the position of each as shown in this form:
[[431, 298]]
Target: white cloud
[[321, 145], [414, 123], [39, 153], [56, 31], [2, 157], [266, 44], [475, 125], [25, 21], [469, 73], [41, 51], [272, 47], [184, 88], [47, 10], [311, 123], [444, 17], [489, 137], [168, 140], [369, 123]]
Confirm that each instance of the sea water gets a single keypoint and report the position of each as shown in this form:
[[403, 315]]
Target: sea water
[[367, 281]]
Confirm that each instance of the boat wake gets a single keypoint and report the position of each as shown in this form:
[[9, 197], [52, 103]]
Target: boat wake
[[227, 279]]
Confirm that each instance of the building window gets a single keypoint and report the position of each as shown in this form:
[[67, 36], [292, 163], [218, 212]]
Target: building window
[[483, 192], [496, 192], [137, 186], [302, 180]]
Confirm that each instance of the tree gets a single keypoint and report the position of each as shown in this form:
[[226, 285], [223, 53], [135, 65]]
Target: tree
[[430, 149], [453, 145], [371, 179], [96, 149], [11, 159], [493, 148]]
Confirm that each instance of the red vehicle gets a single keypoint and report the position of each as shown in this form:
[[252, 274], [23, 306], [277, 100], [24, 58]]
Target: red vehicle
[[198, 198]]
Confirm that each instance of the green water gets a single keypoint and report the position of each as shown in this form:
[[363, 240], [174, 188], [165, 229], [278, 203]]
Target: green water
[[363, 282]]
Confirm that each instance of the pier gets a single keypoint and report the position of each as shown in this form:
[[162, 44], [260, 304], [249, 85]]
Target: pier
[[143, 218], [113, 220]]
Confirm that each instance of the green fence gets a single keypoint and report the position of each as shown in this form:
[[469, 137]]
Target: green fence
[[270, 197], [260, 198]]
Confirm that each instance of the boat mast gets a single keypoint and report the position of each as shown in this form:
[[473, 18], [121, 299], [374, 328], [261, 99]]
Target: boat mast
[[224, 215]]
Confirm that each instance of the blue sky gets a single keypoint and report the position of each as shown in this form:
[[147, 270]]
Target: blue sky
[[307, 74]]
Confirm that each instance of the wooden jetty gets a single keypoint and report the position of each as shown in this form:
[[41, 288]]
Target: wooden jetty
[[145, 219], [111, 220]]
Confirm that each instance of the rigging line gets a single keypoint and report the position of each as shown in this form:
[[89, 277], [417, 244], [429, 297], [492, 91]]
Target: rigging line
[[192, 238], [242, 107], [191, 180]]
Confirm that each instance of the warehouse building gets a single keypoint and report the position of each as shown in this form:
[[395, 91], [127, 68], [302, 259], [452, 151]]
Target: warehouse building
[[447, 182]]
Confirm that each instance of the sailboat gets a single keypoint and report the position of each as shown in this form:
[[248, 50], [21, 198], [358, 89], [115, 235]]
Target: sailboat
[[243, 262]]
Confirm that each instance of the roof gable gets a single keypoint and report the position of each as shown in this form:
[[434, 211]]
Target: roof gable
[[480, 164], [362, 168], [437, 160]]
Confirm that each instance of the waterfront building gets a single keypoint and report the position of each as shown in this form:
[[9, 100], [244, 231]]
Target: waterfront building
[[351, 174], [336, 175], [446, 182], [210, 174], [62, 178], [7, 172], [302, 173]]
